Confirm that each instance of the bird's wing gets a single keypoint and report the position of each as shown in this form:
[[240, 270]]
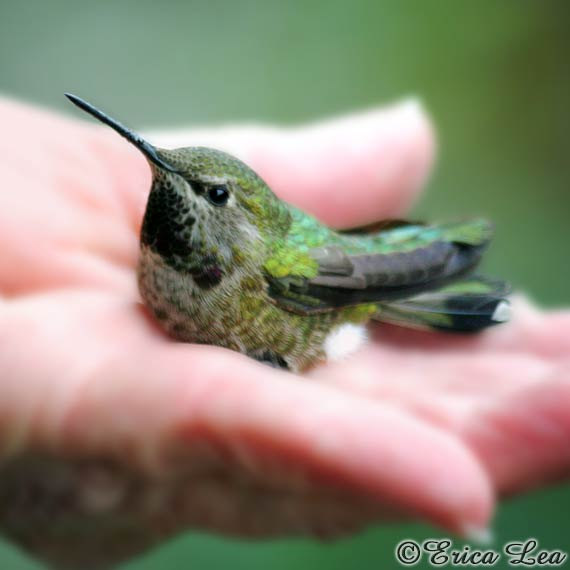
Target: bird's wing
[[400, 260], [468, 305]]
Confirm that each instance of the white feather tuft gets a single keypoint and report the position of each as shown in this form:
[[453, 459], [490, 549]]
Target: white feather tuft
[[344, 341]]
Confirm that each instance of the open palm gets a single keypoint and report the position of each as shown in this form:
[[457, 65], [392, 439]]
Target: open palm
[[114, 437]]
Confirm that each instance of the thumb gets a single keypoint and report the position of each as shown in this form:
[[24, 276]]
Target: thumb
[[347, 171]]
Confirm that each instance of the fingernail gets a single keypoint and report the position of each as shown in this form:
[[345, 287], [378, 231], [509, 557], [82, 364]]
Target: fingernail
[[411, 104], [482, 536]]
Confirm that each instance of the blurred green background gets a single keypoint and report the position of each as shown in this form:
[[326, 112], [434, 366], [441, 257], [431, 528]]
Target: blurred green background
[[494, 74]]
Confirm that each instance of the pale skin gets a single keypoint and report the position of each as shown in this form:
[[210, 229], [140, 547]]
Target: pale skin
[[104, 419]]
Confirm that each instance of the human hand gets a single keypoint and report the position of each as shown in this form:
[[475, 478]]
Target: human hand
[[114, 437]]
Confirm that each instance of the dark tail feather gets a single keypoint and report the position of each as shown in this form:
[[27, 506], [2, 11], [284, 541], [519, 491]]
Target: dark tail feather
[[470, 305]]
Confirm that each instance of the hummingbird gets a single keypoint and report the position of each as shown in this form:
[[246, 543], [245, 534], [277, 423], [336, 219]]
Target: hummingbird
[[224, 261]]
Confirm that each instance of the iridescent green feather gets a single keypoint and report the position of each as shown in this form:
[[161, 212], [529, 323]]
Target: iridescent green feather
[[290, 255]]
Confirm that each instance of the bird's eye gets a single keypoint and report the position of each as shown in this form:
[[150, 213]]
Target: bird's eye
[[218, 195]]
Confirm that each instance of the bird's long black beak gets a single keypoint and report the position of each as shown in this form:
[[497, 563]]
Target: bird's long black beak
[[144, 146]]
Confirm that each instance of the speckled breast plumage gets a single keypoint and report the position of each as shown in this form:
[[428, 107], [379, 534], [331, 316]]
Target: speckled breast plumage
[[237, 314]]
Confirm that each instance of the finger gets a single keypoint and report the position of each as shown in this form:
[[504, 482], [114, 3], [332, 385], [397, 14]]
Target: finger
[[137, 431], [176, 408], [135, 397], [62, 218], [347, 171], [531, 332], [545, 333], [523, 439]]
